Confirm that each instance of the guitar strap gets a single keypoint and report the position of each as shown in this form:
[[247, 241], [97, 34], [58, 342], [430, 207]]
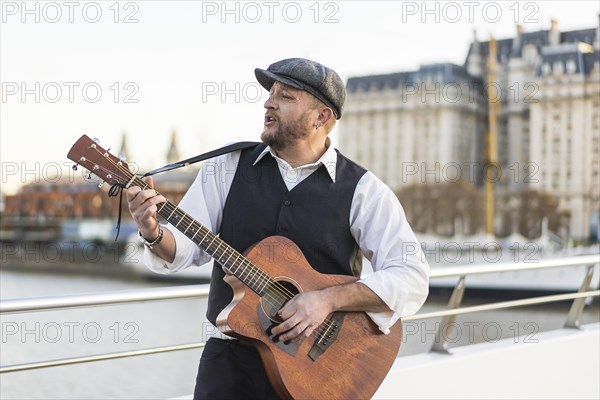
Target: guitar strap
[[201, 157], [118, 189]]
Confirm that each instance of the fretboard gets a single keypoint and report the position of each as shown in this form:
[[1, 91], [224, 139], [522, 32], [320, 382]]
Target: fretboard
[[230, 259]]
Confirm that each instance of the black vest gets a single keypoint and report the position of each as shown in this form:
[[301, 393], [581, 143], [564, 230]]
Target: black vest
[[315, 215]]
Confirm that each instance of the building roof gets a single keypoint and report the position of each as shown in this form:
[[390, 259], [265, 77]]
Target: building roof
[[513, 47], [572, 58], [581, 35], [442, 73]]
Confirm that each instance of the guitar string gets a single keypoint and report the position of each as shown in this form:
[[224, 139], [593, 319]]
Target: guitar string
[[287, 295]]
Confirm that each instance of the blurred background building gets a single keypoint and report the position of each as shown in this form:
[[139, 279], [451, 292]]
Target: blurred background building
[[74, 207], [424, 133]]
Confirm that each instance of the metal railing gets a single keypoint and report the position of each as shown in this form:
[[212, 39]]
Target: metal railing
[[448, 315], [440, 343]]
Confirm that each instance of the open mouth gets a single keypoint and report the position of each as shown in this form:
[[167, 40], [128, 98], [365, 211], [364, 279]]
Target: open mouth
[[269, 120]]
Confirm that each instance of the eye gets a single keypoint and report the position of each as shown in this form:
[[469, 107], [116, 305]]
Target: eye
[[287, 95]]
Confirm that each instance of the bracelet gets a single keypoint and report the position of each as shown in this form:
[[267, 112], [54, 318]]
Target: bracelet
[[153, 244]]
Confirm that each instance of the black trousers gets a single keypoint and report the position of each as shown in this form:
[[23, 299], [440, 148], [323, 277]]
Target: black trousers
[[231, 369]]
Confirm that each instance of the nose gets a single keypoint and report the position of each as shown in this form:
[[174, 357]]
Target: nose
[[270, 103]]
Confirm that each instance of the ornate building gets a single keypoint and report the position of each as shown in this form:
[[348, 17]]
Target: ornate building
[[429, 125], [420, 126], [565, 130]]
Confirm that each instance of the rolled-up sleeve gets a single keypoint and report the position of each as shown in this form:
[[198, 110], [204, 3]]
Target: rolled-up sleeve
[[186, 254], [401, 272]]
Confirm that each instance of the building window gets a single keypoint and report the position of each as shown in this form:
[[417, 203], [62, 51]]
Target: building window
[[558, 68], [546, 69]]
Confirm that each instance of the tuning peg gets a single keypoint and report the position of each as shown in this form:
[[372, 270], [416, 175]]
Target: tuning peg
[[100, 184], [96, 140], [89, 176], [74, 167]]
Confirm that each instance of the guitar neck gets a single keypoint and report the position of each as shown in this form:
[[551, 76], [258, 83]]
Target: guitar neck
[[230, 259]]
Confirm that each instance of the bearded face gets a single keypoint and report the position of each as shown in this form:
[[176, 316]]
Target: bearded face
[[284, 133], [289, 117]]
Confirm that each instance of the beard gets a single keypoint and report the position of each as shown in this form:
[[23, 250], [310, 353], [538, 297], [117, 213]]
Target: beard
[[285, 134]]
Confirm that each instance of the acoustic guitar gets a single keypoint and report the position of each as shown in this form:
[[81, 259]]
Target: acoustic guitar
[[347, 357]]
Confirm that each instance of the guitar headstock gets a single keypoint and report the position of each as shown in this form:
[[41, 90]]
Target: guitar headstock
[[90, 155]]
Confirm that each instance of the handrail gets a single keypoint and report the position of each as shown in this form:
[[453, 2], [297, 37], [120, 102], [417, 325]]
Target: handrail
[[440, 345], [99, 357], [140, 295], [503, 304], [101, 298], [447, 272]]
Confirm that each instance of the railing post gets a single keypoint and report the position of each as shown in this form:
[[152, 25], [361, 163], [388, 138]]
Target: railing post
[[574, 317], [440, 343]]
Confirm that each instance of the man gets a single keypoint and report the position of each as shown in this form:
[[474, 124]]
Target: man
[[295, 185]]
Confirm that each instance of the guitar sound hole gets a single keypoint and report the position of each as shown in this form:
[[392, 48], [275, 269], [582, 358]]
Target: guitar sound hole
[[275, 297]]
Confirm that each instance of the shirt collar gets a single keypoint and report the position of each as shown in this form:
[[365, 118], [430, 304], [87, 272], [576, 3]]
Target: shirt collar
[[329, 159]]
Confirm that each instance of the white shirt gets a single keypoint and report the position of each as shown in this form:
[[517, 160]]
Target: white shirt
[[377, 223]]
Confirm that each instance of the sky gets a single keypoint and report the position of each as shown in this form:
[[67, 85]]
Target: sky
[[147, 68]]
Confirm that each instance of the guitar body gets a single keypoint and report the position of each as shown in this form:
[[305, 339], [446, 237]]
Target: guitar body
[[354, 363]]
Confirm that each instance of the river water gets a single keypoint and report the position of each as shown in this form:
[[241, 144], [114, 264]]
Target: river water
[[56, 334]]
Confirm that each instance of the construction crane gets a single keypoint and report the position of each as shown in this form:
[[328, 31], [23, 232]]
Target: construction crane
[[489, 173]]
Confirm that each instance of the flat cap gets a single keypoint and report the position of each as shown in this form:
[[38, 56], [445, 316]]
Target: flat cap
[[300, 73]]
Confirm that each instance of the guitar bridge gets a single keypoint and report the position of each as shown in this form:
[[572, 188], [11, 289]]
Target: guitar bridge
[[328, 336]]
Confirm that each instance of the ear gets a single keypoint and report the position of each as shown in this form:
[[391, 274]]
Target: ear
[[325, 115]]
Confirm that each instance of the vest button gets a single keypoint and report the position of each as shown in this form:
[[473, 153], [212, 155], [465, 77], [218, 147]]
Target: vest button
[[287, 203], [282, 228]]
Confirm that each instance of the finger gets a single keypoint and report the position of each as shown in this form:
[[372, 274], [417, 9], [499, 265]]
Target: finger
[[289, 309], [150, 213], [310, 328], [138, 196], [299, 332], [149, 209], [135, 200], [285, 326], [149, 182], [140, 204], [132, 192], [146, 197], [151, 199], [286, 312]]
